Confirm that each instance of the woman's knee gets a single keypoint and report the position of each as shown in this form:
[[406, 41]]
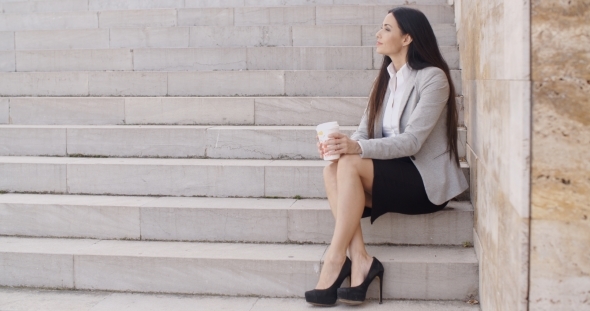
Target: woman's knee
[[349, 161]]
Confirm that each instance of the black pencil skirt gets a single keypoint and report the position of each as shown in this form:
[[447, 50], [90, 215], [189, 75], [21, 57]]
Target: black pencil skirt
[[398, 188]]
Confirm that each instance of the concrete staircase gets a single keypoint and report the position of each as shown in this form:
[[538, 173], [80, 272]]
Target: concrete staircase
[[168, 146]]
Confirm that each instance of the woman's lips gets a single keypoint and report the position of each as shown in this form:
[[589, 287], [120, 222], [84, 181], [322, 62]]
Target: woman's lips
[[379, 43]]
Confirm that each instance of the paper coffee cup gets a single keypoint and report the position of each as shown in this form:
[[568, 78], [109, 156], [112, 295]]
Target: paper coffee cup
[[324, 130]]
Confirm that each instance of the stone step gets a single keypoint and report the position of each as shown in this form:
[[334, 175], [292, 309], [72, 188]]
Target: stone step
[[168, 177], [54, 300], [205, 36], [218, 220], [203, 59], [185, 110], [331, 83], [44, 6], [217, 142], [267, 270], [236, 16], [30, 6]]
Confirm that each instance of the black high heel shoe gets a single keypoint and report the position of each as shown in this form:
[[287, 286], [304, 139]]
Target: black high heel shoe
[[356, 295], [327, 297]]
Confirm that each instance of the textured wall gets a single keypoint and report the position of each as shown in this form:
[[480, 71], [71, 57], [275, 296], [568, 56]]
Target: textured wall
[[494, 39], [560, 190]]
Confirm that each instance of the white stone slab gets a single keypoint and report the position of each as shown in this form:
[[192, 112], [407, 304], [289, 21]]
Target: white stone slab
[[4, 110], [127, 83], [200, 268], [374, 14], [447, 273], [32, 141], [264, 142], [253, 16], [461, 110], [149, 37], [75, 60], [309, 58], [219, 83], [67, 300], [329, 82], [71, 216], [62, 39], [44, 83], [36, 299], [351, 15], [189, 110], [137, 18], [174, 177], [47, 21], [230, 36], [45, 6], [213, 3], [67, 110], [54, 271], [32, 177], [462, 142], [209, 219], [7, 61], [457, 81], [26, 262], [293, 304], [327, 35], [455, 278], [386, 2], [189, 59], [312, 221], [261, 3], [137, 141], [218, 220], [6, 40], [309, 110], [102, 5], [206, 17], [284, 178]]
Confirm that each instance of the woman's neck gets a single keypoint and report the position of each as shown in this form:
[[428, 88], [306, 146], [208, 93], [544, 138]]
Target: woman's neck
[[398, 60]]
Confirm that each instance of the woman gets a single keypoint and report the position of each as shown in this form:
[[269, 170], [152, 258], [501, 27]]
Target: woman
[[402, 158]]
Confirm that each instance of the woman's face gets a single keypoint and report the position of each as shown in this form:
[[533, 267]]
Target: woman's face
[[390, 40]]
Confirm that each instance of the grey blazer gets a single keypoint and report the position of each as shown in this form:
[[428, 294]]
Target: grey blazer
[[422, 137]]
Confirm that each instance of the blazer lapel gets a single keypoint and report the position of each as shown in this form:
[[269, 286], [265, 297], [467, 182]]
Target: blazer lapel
[[409, 86]]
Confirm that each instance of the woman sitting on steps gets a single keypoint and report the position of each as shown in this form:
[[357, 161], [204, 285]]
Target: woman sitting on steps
[[402, 158]]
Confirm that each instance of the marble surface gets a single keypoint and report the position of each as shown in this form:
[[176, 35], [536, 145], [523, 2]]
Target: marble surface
[[493, 38], [560, 228]]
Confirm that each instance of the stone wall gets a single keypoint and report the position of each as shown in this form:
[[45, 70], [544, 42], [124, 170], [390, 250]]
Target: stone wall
[[494, 40], [560, 190]]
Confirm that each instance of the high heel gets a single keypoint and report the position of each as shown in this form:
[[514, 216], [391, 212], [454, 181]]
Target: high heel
[[327, 297], [356, 295]]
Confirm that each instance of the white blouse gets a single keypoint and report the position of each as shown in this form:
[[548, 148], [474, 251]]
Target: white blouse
[[396, 86]]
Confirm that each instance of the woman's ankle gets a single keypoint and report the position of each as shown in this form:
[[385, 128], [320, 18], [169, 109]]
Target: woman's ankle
[[335, 258], [360, 257]]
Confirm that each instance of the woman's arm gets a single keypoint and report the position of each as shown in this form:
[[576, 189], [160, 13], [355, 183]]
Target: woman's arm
[[362, 130], [434, 93]]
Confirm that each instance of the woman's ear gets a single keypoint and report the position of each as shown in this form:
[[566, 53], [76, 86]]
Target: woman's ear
[[407, 40]]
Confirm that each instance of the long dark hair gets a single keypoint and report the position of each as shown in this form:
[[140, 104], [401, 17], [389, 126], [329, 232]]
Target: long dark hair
[[422, 52]]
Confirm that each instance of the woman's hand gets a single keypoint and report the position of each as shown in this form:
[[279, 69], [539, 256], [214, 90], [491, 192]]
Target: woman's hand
[[338, 143]]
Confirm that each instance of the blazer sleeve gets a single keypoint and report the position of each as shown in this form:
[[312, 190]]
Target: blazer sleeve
[[433, 91], [362, 130]]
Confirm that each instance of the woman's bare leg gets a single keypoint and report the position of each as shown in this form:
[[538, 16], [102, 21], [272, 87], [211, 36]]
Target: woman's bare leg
[[356, 247]]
